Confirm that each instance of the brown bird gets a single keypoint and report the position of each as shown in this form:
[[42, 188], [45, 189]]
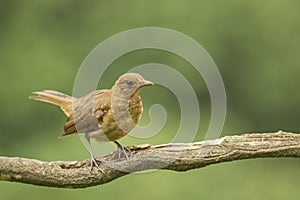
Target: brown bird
[[105, 115]]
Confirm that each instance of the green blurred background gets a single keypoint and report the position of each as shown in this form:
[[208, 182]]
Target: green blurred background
[[255, 44]]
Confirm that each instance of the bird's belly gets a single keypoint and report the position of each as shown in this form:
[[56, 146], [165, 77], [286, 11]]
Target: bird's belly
[[100, 136], [109, 130], [114, 126]]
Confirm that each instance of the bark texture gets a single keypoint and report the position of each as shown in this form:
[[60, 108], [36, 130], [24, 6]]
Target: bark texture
[[177, 157]]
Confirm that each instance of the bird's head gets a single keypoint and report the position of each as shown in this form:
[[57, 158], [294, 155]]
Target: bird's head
[[130, 84]]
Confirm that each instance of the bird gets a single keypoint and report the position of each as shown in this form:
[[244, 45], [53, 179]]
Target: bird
[[104, 115]]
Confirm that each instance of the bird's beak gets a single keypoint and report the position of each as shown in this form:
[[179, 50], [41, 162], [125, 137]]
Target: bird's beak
[[146, 83]]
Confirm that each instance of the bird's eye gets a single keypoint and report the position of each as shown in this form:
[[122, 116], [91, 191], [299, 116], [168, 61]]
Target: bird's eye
[[129, 82]]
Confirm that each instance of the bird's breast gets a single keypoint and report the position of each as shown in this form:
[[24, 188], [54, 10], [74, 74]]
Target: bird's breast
[[120, 119]]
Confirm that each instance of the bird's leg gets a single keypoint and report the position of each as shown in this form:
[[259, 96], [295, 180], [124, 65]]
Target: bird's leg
[[93, 159], [122, 149]]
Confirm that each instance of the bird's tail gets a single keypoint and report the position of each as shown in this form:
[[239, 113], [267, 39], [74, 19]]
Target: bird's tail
[[56, 98]]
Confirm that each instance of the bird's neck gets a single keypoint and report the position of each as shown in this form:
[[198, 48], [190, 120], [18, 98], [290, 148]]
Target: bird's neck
[[125, 101], [127, 110]]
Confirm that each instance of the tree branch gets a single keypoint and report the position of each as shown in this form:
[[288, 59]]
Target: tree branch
[[177, 157]]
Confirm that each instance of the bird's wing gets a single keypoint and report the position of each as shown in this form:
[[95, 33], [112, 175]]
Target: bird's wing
[[87, 112]]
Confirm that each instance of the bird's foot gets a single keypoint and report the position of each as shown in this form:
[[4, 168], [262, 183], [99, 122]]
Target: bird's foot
[[125, 150], [94, 162]]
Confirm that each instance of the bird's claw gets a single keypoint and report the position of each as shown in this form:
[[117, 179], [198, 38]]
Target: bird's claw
[[94, 163], [125, 150]]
